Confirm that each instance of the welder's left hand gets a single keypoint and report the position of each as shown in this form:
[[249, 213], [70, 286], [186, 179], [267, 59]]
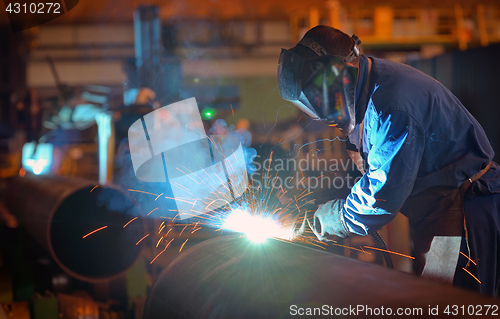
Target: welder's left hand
[[329, 220]]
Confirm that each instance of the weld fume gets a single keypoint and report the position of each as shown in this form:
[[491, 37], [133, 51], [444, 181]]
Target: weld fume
[[220, 127]]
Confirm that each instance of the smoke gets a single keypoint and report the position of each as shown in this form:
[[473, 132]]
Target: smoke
[[143, 193], [220, 127], [170, 163], [113, 201]]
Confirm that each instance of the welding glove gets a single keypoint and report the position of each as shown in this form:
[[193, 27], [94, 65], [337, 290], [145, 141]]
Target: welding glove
[[329, 220]]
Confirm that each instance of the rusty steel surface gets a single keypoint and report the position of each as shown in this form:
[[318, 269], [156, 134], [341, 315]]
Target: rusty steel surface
[[59, 211], [230, 277]]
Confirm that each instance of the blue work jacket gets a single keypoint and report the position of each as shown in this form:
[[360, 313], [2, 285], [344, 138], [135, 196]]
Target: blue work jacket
[[415, 135]]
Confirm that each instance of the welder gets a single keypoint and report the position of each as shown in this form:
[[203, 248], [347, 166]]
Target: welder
[[420, 151]]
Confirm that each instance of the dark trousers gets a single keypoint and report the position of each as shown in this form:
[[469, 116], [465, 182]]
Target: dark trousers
[[482, 215]]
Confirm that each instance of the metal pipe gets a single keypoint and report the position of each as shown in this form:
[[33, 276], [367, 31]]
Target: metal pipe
[[231, 277], [59, 211]]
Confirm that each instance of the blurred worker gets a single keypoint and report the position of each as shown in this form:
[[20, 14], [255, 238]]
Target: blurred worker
[[424, 154]]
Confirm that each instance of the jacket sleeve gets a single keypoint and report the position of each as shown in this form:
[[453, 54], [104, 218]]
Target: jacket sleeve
[[396, 145]]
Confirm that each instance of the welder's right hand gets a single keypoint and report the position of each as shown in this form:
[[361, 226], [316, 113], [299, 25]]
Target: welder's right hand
[[329, 220]]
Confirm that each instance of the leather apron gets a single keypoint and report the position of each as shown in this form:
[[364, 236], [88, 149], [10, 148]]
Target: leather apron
[[437, 220]]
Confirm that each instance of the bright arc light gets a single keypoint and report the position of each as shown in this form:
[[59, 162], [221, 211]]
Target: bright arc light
[[38, 165], [256, 228], [37, 158]]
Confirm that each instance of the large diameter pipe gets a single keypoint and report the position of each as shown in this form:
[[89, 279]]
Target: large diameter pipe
[[58, 212], [230, 277]]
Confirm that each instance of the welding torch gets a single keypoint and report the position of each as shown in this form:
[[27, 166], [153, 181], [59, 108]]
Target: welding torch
[[314, 223]]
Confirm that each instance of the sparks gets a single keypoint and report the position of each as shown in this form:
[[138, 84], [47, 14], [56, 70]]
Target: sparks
[[183, 230], [195, 230], [471, 274], [175, 217], [168, 232], [152, 211], [161, 228], [183, 245], [159, 241], [196, 225], [352, 248], [141, 239], [161, 252], [472, 261], [129, 222], [93, 188], [94, 231], [138, 191], [178, 199], [390, 252]]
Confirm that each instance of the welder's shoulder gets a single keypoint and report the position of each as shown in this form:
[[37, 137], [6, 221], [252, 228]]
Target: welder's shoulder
[[399, 87]]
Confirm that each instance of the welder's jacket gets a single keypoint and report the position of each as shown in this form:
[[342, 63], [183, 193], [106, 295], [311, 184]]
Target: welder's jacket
[[415, 136]]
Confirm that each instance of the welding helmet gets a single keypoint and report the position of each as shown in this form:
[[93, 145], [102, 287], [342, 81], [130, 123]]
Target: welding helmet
[[323, 87]]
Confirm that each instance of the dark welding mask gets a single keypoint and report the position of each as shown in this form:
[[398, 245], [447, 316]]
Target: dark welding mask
[[323, 87]]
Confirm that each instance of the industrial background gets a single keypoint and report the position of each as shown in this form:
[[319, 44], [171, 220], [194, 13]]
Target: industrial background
[[71, 88]]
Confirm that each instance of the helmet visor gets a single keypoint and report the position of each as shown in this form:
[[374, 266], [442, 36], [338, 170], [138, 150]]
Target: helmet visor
[[322, 87], [329, 85], [289, 82], [289, 69]]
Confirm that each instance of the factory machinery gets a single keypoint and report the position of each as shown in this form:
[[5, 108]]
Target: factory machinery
[[58, 212], [223, 277]]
